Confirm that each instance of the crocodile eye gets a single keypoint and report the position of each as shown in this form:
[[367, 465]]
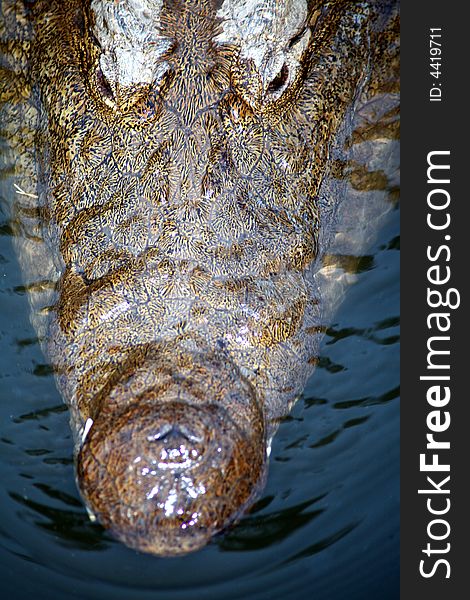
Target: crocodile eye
[[279, 82], [104, 88]]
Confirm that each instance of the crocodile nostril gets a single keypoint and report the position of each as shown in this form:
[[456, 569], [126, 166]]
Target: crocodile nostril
[[171, 432], [175, 447], [189, 434], [161, 433]]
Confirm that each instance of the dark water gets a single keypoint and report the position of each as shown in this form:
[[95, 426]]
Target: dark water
[[326, 526]]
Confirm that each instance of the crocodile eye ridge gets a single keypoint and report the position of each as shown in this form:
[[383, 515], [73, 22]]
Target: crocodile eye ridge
[[271, 40]]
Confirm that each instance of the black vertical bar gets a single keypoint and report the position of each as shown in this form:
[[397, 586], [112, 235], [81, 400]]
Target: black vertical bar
[[435, 118]]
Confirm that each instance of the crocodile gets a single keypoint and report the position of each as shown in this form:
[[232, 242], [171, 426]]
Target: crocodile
[[176, 175]]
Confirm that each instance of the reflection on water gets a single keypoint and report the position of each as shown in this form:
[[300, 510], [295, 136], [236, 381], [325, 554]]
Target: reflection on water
[[263, 530], [326, 526]]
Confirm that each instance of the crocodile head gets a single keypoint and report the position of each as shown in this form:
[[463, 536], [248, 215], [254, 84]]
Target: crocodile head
[[182, 149]]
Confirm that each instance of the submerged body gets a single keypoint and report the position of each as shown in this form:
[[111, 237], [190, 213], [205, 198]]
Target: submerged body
[[179, 171]]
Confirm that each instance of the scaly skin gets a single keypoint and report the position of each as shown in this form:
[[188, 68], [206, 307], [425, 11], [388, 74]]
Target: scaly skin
[[181, 223]]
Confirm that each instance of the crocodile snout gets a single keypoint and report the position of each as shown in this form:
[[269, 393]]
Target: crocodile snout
[[165, 477]]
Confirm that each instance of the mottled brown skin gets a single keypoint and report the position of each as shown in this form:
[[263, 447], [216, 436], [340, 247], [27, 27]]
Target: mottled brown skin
[[181, 225]]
